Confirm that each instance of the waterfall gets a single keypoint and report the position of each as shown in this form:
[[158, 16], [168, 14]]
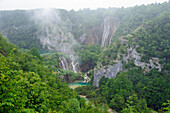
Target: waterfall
[[86, 78], [64, 63], [73, 63], [74, 66], [106, 31], [69, 65]]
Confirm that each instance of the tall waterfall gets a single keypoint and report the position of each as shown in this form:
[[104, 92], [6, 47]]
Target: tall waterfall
[[106, 31]]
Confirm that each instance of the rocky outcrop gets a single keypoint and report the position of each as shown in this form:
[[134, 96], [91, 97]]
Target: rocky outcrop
[[133, 55], [54, 38], [111, 71], [108, 72], [91, 36]]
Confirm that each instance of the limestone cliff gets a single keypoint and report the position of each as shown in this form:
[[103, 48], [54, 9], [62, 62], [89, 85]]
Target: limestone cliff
[[101, 34], [109, 72]]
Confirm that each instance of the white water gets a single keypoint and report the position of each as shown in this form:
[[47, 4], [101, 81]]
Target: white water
[[73, 63], [105, 31], [86, 78], [64, 63]]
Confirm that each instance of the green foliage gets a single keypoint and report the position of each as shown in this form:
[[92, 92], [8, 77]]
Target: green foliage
[[4, 47], [153, 38], [35, 52], [134, 91], [136, 105], [19, 28], [132, 18], [88, 56], [131, 91], [117, 103], [166, 107], [70, 106], [26, 85]]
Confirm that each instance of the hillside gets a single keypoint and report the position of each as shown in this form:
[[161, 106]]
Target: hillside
[[26, 85], [124, 51]]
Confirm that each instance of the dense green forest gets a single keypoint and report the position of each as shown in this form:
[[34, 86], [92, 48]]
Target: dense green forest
[[27, 86], [34, 82], [135, 90]]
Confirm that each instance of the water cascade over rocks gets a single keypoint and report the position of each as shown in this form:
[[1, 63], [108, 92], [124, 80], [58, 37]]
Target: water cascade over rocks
[[86, 79], [69, 63], [106, 31], [73, 63], [64, 63]]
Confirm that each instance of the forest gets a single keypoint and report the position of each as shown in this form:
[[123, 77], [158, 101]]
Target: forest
[[35, 74], [27, 86]]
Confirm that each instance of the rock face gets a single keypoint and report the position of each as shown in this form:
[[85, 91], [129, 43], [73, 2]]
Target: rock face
[[112, 71], [109, 72], [55, 39], [101, 34], [58, 37], [109, 27], [132, 54]]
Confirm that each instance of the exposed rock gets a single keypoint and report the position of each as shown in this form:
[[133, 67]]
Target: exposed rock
[[108, 29], [55, 38], [91, 36], [108, 72], [100, 34], [112, 71], [132, 54]]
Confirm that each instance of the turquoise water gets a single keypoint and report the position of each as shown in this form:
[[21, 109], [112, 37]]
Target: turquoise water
[[78, 83]]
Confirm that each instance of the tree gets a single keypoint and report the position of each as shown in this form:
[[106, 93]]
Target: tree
[[35, 52], [117, 103]]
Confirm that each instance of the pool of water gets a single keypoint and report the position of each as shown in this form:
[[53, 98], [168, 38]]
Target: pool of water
[[77, 84]]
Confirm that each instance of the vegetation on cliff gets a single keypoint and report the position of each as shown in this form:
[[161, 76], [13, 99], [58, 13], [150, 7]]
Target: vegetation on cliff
[[136, 90], [30, 82], [26, 85]]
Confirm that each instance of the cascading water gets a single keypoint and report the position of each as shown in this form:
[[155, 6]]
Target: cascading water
[[86, 79], [73, 63], [106, 31], [64, 63]]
